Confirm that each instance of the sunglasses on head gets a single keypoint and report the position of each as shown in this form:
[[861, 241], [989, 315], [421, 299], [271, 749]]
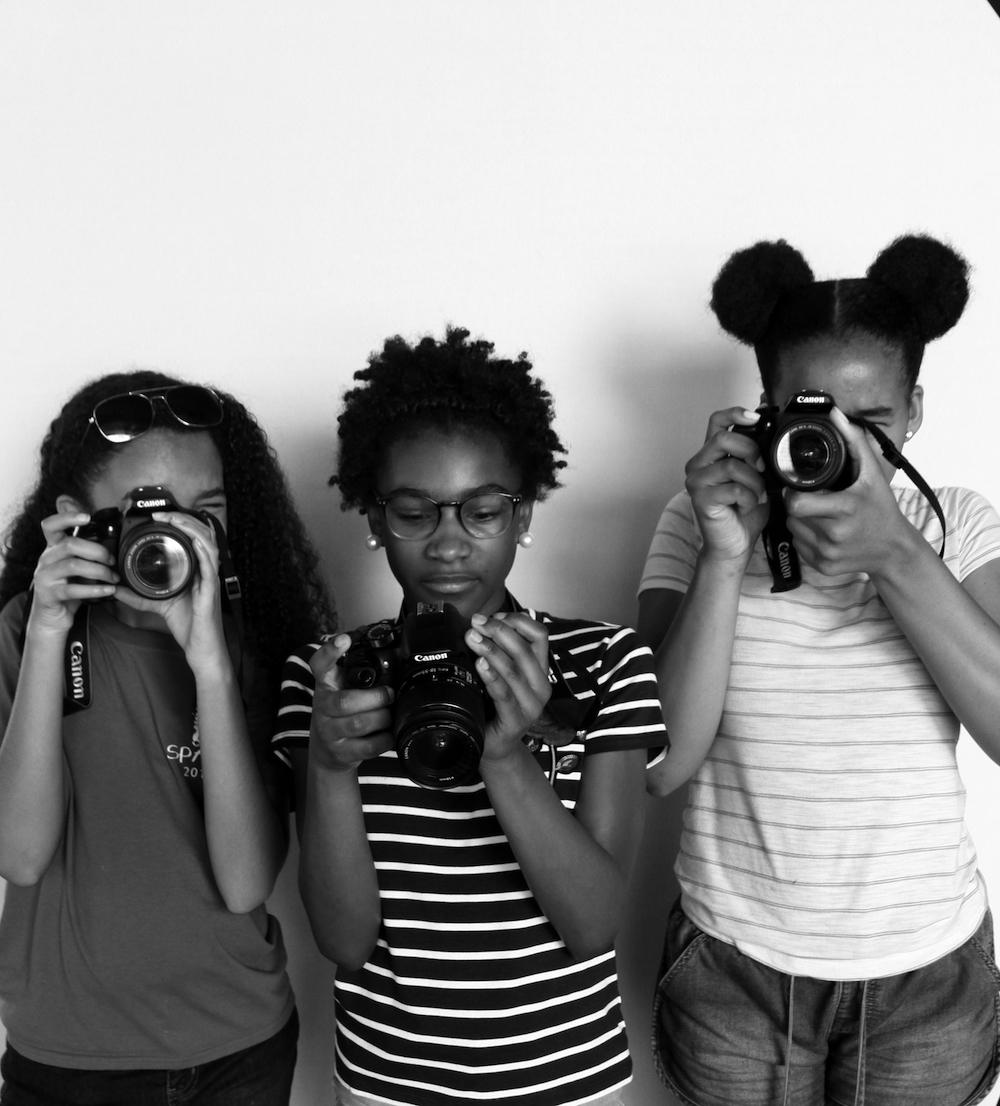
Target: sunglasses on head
[[129, 415]]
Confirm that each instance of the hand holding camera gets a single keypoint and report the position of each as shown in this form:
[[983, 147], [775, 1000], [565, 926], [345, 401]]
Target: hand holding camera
[[726, 488], [350, 723], [461, 692], [167, 562], [513, 663], [856, 532]]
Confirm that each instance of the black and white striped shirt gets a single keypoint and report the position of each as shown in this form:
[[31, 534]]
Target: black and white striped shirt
[[470, 995]]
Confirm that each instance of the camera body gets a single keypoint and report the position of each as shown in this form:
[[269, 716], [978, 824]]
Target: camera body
[[154, 559], [441, 706], [800, 445]]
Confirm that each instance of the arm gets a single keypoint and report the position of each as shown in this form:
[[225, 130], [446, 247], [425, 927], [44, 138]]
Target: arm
[[34, 786], [337, 876], [954, 628], [693, 632], [576, 863], [246, 836]]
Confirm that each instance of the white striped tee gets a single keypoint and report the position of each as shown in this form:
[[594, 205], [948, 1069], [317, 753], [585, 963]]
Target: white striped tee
[[824, 835], [470, 995]]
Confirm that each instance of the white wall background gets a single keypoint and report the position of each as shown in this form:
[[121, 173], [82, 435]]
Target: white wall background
[[255, 194]]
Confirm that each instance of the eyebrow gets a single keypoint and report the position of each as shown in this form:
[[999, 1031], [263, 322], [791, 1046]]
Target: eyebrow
[[875, 413], [466, 494], [212, 493]]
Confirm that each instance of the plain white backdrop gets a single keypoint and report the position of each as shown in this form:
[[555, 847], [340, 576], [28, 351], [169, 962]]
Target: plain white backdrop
[[256, 194]]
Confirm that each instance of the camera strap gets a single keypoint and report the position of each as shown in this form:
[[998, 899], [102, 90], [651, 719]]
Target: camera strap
[[782, 558], [896, 458]]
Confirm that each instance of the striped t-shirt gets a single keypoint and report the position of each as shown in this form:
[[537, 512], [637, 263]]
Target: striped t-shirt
[[470, 995], [824, 835]]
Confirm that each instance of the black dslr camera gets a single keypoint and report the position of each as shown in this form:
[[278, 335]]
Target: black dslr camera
[[155, 559], [800, 445], [801, 449], [441, 706]]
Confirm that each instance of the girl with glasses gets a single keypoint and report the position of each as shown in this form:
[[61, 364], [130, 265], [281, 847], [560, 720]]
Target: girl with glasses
[[832, 942], [140, 828], [473, 921]]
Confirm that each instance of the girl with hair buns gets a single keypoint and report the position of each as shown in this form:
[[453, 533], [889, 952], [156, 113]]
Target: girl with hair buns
[[832, 943], [140, 828], [473, 924]]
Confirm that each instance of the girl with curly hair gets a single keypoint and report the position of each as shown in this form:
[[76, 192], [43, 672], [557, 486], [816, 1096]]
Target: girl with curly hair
[[832, 942], [471, 780], [160, 563]]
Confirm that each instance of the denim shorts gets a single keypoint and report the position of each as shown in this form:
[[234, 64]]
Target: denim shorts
[[257, 1076], [730, 1031]]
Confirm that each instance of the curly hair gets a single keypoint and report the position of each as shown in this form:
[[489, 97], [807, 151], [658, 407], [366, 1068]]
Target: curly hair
[[914, 291], [285, 600], [446, 385]]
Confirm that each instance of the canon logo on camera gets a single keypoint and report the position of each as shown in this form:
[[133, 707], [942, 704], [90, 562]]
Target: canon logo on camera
[[422, 657], [145, 504]]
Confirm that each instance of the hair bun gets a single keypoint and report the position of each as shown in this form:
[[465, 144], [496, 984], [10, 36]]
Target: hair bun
[[932, 278], [750, 284]]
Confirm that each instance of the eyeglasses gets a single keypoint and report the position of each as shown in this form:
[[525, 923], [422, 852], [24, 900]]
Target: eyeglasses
[[125, 417], [414, 517]]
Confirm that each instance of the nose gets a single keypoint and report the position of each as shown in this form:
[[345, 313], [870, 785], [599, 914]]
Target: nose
[[449, 542]]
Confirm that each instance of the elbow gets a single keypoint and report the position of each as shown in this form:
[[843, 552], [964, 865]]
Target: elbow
[[348, 953], [25, 869]]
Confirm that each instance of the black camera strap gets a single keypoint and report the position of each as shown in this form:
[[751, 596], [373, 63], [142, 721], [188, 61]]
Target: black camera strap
[[896, 458]]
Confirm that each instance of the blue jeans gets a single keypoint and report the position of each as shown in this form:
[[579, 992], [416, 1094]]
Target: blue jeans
[[257, 1076], [729, 1031]]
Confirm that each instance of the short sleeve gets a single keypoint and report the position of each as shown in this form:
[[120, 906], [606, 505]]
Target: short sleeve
[[12, 620], [628, 714], [673, 552], [294, 705], [974, 531]]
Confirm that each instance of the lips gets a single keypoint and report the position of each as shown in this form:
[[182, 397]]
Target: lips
[[449, 584]]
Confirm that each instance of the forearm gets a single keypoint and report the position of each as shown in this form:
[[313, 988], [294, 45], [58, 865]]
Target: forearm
[[32, 766], [692, 669], [577, 882], [337, 878], [955, 637], [246, 839]]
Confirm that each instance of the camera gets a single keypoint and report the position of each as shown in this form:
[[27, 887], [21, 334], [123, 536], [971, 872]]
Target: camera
[[441, 706], [154, 559], [800, 445]]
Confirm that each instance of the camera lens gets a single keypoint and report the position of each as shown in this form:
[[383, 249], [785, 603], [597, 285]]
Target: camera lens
[[809, 455], [439, 721], [157, 562]]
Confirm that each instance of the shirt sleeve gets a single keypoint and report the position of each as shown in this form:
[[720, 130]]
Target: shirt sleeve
[[974, 526], [673, 552], [294, 705], [12, 620], [628, 714]]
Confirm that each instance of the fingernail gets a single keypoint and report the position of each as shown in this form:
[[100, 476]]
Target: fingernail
[[478, 620], [475, 636]]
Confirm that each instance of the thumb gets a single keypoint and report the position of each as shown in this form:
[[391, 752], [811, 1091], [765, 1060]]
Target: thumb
[[323, 662], [858, 447]]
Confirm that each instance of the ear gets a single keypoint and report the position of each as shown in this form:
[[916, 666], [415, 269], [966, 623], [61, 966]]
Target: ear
[[67, 505], [524, 509], [916, 414], [376, 521]]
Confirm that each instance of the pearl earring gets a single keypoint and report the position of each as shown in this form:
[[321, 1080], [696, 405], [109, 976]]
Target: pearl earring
[[908, 435], [372, 542], [526, 540]]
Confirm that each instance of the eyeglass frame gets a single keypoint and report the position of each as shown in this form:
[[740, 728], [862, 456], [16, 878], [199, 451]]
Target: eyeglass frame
[[515, 500], [151, 395]]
